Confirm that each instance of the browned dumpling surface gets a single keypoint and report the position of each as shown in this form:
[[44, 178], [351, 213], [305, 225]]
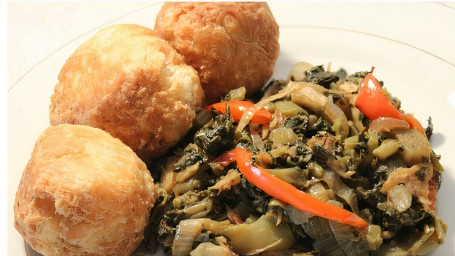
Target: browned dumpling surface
[[230, 44], [131, 83], [83, 192]]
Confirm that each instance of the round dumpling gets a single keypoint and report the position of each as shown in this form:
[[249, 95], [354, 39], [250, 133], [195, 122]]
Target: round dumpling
[[131, 83], [230, 44], [83, 192]]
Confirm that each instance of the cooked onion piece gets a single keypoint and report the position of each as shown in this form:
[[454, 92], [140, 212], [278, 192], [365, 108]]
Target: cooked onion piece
[[416, 146], [400, 198], [387, 124]]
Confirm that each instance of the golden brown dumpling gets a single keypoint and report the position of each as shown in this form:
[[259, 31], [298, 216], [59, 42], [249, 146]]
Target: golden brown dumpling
[[229, 44], [83, 192], [131, 83]]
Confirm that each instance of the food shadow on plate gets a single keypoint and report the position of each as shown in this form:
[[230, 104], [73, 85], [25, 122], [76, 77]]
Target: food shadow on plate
[[30, 251], [437, 139], [444, 209], [444, 195]]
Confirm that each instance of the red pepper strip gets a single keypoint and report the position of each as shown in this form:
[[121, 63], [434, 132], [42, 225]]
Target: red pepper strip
[[285, 192], [414, 123], [226, 158], [237, 107], [373, 103]]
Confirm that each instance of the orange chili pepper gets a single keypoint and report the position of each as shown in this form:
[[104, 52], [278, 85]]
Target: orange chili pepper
[[414, 123], [373, 103], [237, 108], [285, 192]]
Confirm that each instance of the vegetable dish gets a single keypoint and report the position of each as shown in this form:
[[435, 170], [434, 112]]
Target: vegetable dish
[[325, 163]]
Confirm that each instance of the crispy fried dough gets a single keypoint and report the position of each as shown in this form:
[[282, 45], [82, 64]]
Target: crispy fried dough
[[83, 192], [131, 83], [229, 44]]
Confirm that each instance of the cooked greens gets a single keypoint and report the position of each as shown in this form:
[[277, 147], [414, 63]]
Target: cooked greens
[[319, 142]]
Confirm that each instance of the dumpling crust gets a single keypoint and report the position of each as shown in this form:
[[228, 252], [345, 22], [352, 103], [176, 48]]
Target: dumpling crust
[[229, 44], [83, 192], [131, 83]]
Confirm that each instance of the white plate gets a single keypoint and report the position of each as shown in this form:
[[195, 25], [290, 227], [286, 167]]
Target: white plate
[[415, 60]]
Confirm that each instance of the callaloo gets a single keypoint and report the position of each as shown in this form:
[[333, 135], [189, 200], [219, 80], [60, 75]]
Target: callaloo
[[243, 185]]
